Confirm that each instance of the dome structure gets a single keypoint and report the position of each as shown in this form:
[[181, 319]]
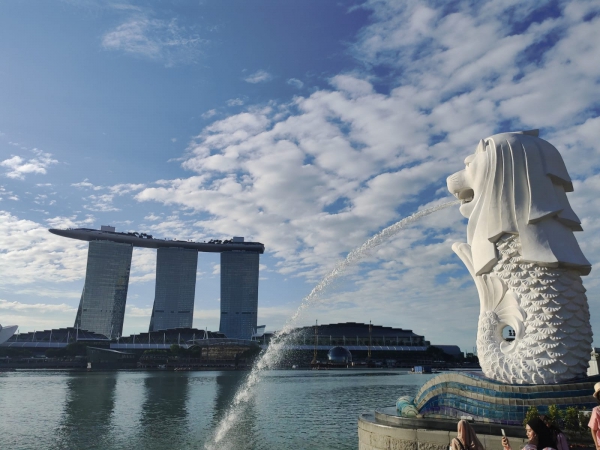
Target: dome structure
[[339, 355]]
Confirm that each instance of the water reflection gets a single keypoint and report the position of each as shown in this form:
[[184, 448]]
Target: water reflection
[[227, 384], [174, 410], [88, 410], [164, 413], [245, 436]]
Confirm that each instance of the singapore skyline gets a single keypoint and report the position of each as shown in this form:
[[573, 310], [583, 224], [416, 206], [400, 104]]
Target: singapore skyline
[[205, 122], [104, 297]]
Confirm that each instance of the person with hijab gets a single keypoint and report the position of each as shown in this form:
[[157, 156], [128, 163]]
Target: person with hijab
[[557, 434], [594, 423], [466, 438], [538, 434]]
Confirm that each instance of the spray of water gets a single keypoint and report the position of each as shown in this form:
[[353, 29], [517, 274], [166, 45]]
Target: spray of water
[[274, 352]]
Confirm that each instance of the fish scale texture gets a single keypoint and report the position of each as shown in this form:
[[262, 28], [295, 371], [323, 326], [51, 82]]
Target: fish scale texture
[[550, 315]]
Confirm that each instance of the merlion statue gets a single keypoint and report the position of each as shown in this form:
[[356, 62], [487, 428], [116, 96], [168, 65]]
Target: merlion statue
[[525, 260]]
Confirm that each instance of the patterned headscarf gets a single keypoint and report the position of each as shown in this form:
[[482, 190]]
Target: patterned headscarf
[[468, 437]]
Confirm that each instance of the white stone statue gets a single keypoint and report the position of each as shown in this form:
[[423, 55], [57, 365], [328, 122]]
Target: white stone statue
[[525, 260]]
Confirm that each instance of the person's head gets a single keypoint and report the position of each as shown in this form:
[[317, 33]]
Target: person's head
[[468, 436], [597, 392], [539, 434], [531, 435]]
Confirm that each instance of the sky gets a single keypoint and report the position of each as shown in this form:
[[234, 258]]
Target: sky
[[306, 125]]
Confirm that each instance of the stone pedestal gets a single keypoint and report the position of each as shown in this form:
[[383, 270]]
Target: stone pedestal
[[490, 406], [384, 430]]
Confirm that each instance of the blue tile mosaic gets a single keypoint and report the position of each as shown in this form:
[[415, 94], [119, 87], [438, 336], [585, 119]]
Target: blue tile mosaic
[[451, 395]]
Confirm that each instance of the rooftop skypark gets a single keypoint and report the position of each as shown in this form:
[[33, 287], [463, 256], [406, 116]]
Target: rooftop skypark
[[107, 233]]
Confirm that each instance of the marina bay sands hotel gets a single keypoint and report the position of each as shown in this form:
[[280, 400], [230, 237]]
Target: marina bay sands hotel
[[102, 305]]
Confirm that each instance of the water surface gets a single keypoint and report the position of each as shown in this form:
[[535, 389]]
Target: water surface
[[180, 410]]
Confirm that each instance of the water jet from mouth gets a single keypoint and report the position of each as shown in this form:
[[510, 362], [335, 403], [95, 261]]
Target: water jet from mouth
[[274, 351]]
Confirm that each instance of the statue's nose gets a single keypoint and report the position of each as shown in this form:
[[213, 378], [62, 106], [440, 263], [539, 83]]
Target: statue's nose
[[454, 182]]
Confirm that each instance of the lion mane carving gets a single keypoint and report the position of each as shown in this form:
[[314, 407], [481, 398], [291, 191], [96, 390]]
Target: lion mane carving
[[524, 259]]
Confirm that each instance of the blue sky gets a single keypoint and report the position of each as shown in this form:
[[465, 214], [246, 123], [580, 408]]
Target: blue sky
[[306, 125]]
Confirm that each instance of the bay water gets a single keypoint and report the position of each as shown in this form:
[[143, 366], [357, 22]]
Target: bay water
[[292, 409]]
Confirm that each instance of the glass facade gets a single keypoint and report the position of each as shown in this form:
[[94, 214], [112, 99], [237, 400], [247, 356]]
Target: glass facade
[[102, 304], [175, 289], [239, 294]]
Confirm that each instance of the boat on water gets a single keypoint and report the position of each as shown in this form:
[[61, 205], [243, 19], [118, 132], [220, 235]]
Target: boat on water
[[6, 332], [421, 369]]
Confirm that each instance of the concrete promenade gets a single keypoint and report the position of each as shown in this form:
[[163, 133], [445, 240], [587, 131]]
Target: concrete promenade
[[384, 430]]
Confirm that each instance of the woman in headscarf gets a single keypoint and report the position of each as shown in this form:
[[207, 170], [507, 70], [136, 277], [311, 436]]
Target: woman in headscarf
[[466, 438], [557, 434], [539, 435]]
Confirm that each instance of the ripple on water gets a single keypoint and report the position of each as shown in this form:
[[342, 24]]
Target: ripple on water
[[159, 410]]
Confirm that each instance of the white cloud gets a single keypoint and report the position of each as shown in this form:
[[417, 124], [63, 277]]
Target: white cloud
[[58, 292], [268, 190], [30, 254], [134, 311], [143, 266], [125, 188], [260, 76], [152, 217], [70, 222], [155, 39], [4, 193], [100, 203], [298, 84], [36, 316], [104, 202], [351, 85], [44, 308], [173, 227], [210, 113], [85, 184], [235, 102], [19, 167]]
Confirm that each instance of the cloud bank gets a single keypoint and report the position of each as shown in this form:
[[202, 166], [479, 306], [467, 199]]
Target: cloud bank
[[314, 177]]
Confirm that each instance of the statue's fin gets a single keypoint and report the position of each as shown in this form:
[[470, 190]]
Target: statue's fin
[[463, 251]]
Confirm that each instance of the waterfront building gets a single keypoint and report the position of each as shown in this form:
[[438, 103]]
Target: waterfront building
[[7, 332], [175, 281], [367, 344], [109, 359], [353, 335], [56, 340], [175, 288], [102, 305], [239, 294]]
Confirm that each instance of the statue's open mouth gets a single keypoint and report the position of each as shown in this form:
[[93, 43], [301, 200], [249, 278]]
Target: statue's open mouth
[[465, 195]]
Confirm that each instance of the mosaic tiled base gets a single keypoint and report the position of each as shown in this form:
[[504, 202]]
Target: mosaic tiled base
[[452, 395]]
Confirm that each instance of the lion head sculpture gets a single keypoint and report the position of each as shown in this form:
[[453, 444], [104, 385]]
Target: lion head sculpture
[[516, 183]]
